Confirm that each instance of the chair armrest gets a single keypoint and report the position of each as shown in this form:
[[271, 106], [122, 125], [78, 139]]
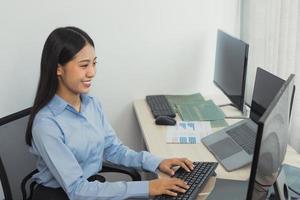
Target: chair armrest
[[110, 167], [32, 184], [107, 167]]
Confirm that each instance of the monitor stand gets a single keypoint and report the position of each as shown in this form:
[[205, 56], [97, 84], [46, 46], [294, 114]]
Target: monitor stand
[[261, 192], [244, 112]]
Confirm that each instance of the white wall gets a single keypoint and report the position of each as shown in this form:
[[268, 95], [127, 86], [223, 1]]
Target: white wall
[[144, 47]]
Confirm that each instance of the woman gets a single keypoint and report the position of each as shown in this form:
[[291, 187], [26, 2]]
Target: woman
[[71, 137]]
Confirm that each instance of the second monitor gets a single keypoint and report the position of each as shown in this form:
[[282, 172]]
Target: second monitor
[[231, 68]]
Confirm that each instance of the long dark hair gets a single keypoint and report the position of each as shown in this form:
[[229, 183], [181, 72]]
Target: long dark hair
[[60, 47]]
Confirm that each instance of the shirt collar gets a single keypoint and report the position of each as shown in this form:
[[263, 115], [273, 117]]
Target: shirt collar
[[85, 99], [58, 104]]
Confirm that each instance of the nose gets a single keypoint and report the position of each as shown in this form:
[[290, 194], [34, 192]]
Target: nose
[[91, 71]]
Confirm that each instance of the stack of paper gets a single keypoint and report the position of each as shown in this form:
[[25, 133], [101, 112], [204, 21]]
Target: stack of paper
[[195, 108], [184, 99], [205, 111], [188, 132]]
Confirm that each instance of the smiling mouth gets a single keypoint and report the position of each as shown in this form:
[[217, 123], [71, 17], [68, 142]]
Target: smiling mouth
[[87, 83]]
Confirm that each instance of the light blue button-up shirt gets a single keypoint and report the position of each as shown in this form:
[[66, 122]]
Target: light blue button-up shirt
[[70, 147]]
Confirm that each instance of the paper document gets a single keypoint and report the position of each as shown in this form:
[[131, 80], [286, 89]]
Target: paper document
[[188, 132], [195, 108], [206, 111], [183, 99]]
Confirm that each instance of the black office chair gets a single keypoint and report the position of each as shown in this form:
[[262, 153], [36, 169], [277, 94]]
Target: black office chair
[[17, 164]]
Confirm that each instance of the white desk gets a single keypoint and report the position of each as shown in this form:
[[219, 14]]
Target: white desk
[[154, 137]]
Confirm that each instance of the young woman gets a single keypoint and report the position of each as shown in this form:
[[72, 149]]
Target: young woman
[[70, 136]]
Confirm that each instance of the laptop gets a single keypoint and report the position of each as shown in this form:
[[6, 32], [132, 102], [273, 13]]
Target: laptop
[[233, 146], [270, 145]]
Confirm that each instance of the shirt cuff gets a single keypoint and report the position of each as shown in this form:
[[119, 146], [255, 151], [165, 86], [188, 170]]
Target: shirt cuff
[[152, 163], [138, 189]]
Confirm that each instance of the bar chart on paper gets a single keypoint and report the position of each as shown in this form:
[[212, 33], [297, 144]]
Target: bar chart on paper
[[188, 132]]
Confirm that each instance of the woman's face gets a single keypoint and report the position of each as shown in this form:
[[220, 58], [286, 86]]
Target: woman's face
[[75, 77]]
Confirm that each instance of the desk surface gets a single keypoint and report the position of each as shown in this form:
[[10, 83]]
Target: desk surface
[[154, 137]]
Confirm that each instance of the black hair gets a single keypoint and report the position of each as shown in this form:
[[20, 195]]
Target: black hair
[[60, 47]]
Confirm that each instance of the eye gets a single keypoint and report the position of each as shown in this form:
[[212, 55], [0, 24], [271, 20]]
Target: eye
[[84, 66], [95, 63]]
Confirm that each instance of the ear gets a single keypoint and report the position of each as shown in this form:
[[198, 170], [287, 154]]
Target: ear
[[59, 70]]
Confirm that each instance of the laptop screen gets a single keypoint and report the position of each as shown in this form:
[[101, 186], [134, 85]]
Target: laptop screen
[[265, 89]]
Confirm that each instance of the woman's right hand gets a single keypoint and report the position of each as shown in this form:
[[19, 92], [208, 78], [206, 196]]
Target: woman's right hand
[[168, 186]]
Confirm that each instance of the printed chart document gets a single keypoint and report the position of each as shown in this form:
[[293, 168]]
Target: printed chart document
[[194, 107], [188, 132]]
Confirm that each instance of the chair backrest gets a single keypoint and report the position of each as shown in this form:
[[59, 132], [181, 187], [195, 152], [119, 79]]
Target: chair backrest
[[15, 159]]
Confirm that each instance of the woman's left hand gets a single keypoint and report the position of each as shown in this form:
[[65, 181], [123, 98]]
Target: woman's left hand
[[167, 165]]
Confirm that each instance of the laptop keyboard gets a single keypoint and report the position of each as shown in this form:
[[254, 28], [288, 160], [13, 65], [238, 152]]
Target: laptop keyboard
[[244, 136], [196, 179]]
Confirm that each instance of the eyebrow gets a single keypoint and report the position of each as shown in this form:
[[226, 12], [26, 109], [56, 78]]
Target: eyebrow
[[87, 60]]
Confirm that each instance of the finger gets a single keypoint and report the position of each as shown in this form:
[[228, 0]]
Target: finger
[[182, 164], [178, 189], [181, 184], [169, 171], [171, 193], [189, 163]]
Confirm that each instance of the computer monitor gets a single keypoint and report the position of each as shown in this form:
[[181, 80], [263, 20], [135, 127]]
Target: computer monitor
[[231, 67], [271, 142], [266, 87]]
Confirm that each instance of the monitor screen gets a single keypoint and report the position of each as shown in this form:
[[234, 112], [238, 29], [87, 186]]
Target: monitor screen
[[271, 142], [266, 87], [231, 67]]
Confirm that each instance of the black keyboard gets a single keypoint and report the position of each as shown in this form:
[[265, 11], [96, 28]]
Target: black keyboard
[[244, 136], [160, 106], [196, 179]]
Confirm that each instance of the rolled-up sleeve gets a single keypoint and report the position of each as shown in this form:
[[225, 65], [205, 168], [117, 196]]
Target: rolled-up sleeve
[[48, 140]]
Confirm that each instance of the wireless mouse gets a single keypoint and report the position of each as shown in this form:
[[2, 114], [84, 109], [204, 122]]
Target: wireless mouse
[[165, 120]]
